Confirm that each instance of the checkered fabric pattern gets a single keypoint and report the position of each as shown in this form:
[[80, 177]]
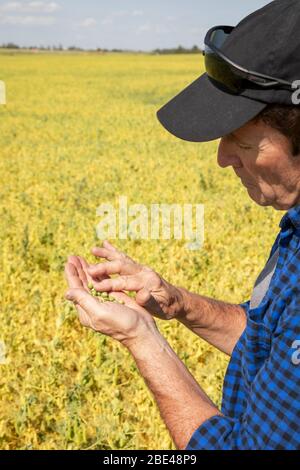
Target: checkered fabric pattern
[[261, 392]]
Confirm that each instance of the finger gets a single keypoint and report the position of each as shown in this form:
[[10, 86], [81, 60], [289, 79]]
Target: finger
[[113, 267], [81, 266], [121, 283], [81, 272], [75, 283], [74, 260], [101, 252], [85, 266], [109, 252], [77, 263], [128, 301], [86, 278], [89, 306], [71, 275], [109, 246]]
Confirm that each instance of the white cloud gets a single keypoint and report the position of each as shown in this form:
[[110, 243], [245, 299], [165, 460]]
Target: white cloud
[[144, 28], [30, 7], [27, 20], [156, 29], [161, 29], [32, 13], [44, 7], [107, 21], [87, 23], [11, 6], [137, 13]]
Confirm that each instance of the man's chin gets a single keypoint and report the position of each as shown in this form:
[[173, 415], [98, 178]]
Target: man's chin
[[258, 197]]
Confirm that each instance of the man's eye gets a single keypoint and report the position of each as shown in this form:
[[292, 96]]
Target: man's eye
[[245, 147]]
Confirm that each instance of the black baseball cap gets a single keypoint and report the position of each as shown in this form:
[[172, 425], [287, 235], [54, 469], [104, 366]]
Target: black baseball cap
[[266, 42]]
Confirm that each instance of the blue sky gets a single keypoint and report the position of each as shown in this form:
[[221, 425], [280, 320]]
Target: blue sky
[[124, 24]]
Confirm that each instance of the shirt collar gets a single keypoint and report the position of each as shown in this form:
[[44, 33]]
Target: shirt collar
[[291, 218]]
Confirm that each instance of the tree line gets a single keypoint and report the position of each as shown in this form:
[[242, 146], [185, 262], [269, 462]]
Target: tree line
[[178, 50]]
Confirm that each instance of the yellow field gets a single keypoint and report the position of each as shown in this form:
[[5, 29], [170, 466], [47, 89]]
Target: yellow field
[[79, 130]]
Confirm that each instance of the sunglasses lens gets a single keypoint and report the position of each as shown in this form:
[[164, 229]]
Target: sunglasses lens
[[221, 71], [218, 37]]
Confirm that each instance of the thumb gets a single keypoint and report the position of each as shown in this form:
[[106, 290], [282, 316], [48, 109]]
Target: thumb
[[143, 296], [145, 299], [85, 300]]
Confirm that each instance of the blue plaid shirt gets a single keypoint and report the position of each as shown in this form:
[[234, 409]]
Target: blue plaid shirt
[[261, 392]]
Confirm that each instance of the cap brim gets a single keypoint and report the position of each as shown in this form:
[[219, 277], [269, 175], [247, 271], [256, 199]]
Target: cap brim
[[204, 111]]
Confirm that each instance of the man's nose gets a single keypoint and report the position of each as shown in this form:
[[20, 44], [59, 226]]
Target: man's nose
[[228, 158]]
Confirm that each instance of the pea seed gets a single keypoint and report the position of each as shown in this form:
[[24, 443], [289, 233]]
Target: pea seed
[[103, 296]]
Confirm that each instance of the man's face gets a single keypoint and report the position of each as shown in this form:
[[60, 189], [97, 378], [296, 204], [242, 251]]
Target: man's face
[[261, 157]]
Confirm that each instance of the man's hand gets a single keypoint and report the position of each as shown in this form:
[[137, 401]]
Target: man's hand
[[152, 292], [125, 323], [182, 403], [219, 323]]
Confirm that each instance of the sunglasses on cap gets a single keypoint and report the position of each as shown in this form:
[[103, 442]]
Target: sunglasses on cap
[[231, 75]]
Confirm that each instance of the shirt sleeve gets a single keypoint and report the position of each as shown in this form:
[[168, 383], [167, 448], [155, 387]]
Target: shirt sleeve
[[271, 417], [245, 306]]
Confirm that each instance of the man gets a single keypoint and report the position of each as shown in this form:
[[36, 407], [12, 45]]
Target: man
[[258, 120]]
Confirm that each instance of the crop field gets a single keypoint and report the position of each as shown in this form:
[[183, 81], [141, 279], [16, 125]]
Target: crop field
[[79, 130]]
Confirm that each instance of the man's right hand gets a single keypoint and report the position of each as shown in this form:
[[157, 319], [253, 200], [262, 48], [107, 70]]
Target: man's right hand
[[156, 295]]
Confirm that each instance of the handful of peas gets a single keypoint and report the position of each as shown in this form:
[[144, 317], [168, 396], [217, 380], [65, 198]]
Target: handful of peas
[[103, 296]]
